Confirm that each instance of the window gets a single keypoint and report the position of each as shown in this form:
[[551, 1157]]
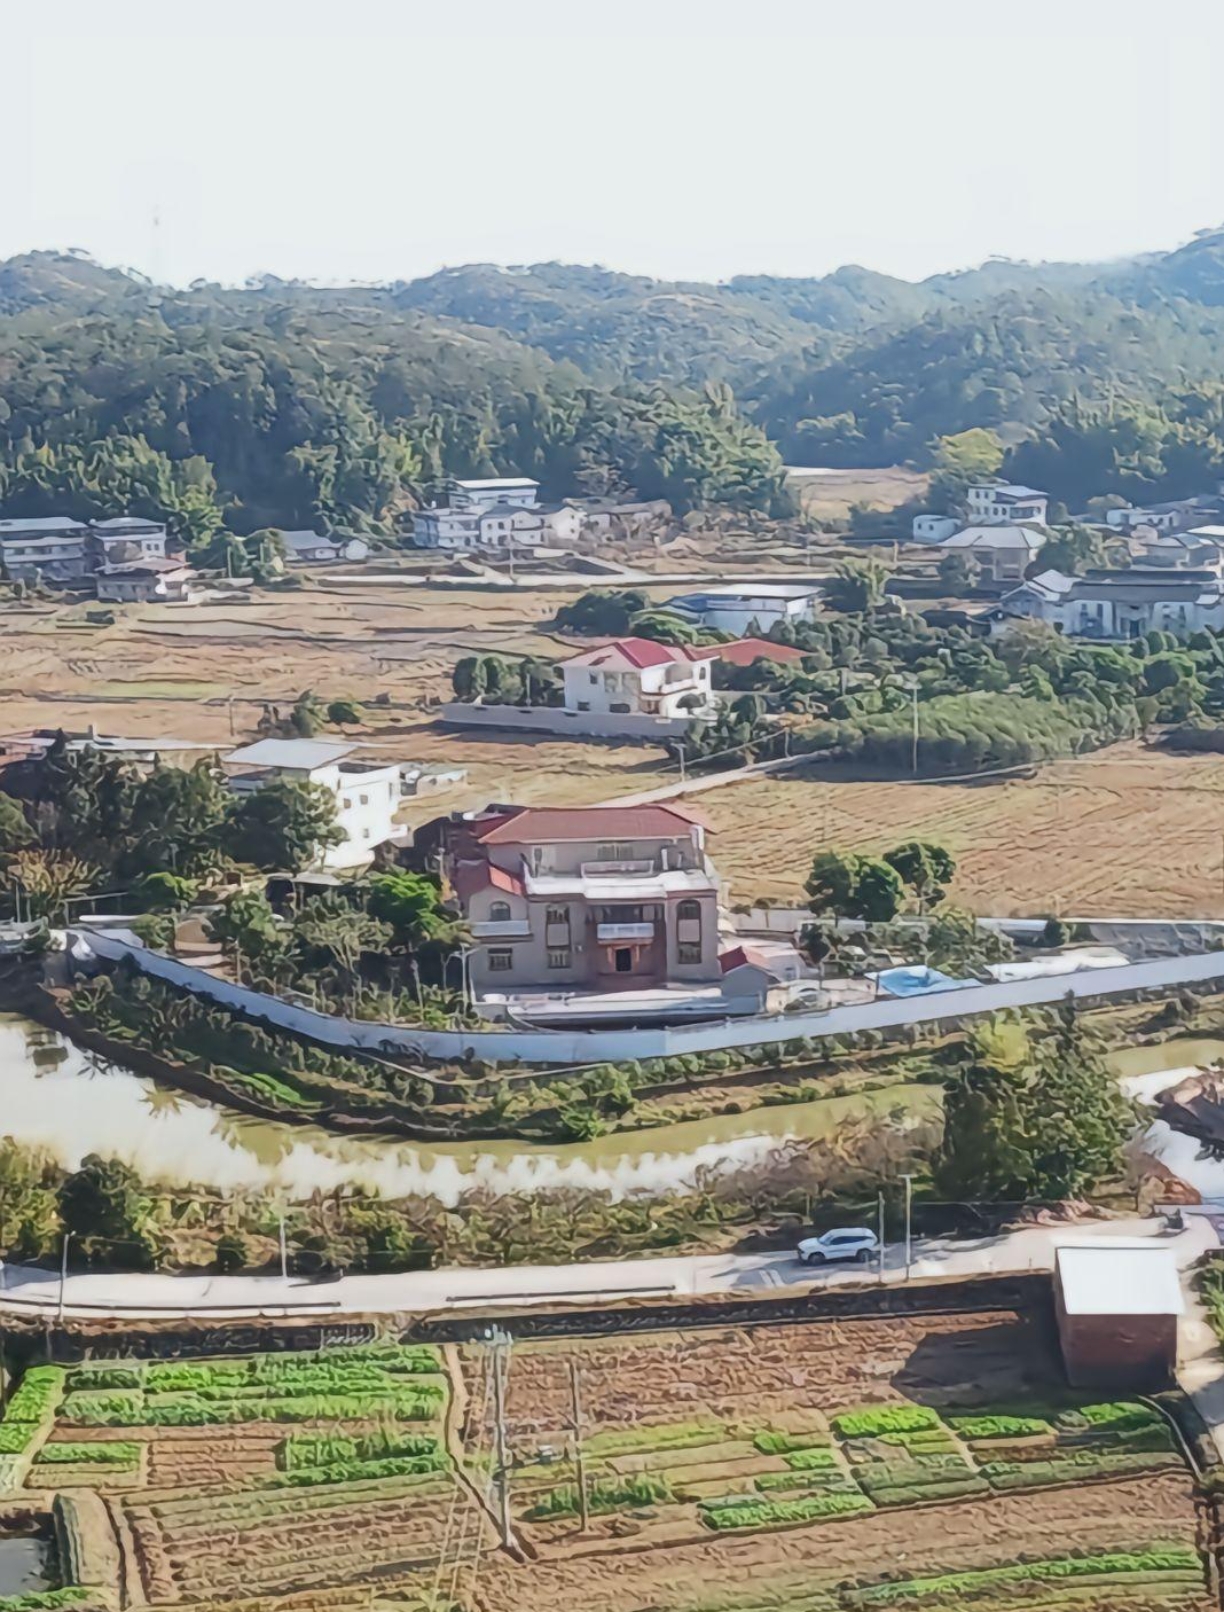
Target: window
[[614, 853], [688, 951], [348, 803], [501, 959], [365, 833], [499, 912], [593, 677], [365, 800], [689, 909], [558, 959], [558, 915]]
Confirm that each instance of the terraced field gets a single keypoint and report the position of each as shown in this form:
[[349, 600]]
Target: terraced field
[[836, 1466], [933, 1462], [288, 1481]]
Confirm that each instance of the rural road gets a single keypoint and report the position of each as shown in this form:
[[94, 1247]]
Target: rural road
[[26, 1290]]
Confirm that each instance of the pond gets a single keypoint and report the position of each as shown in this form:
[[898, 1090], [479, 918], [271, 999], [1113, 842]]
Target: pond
[[26, 1564], [57, 1097]]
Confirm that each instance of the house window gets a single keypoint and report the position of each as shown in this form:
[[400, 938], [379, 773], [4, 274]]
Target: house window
[[499, 912], [558, 959], [688, 951], [365, 800], [615, 853], [501, 959], [593, 676], [348, 803], [558, 915], [689, 909]]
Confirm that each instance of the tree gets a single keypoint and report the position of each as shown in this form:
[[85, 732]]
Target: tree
[[49, 879], [959, 462], [176, 821], [602, 610], [345, 714], [246, 924], [411, 904], [959, 572], [331, 925], [164, 892], [1078, 1121], [282, 827], [846, 885], [856, 586], [982, 1154], [957, 943], [103, 1208], [308, 714], [1074, 549], [15, 830], [927, 868]]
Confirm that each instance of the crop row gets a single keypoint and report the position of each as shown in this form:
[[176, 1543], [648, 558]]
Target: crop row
[[746, 1511], [301, 1451], [953, 1588], [189, 1410]]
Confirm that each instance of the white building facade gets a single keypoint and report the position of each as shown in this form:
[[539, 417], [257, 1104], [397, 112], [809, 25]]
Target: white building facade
[[366, 793], [750, 608], [1120, 604], [636, 676], [1004, 504]]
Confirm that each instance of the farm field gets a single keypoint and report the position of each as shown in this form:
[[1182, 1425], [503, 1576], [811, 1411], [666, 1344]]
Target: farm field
[[827, 1467], [852, 1464], [288, 1480], [1125, 833]]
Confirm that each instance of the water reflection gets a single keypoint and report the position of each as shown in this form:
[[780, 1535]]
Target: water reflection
[[70, 1105]]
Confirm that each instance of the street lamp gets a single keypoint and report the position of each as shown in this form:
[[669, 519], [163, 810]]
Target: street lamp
[[909, 1205]]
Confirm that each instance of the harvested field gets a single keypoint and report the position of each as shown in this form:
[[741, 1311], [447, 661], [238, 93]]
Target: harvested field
[[823, 1466], [1062, 840]]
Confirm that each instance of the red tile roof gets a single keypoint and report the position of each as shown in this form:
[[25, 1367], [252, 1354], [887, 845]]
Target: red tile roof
[[472, 876], [530, 825], [639, 652], [745, 650]]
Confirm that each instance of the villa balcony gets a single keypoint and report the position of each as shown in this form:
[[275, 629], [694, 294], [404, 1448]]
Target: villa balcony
[[592, 870], [502, 929], [615, 934]]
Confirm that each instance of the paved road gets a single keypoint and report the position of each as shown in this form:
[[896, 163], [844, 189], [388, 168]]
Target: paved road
[[26, 1290]]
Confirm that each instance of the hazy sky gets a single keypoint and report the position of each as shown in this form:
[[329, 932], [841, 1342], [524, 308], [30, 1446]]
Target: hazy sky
[[380, 139]]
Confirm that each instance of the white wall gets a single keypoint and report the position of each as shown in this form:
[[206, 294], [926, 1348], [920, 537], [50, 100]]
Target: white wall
[[554, 719], [595, 1046]]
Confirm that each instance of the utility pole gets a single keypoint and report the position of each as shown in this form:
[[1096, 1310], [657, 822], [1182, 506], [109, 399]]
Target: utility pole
[[63, 1275], [501, 1360], [914, 754], [880, 1233], [909, 1206], [579, 1456]]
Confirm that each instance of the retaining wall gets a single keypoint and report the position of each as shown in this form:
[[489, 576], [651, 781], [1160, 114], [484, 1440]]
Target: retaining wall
[[618, 1046], [556, 720]]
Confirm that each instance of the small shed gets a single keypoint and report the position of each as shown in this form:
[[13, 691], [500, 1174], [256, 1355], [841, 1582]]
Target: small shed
[[1118, 1305]]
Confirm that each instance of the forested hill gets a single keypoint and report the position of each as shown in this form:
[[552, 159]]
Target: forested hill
[[284, 404]]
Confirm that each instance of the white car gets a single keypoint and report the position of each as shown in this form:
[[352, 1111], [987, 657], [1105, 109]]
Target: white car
[[850, 1242]]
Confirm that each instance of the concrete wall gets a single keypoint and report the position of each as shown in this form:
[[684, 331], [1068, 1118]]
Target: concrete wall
[[568, 724], [594, 1046]]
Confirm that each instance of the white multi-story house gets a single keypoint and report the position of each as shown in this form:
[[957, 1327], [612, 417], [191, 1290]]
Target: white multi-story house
[[586, 898], [735, 608], [156, 579], [50, 547], [636, 676], [1174, 515], [1118, 604], [366, 793], [127, 537], [502, 514], [1001, 503]]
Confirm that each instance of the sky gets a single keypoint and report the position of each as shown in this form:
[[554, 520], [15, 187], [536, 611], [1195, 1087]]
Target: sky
[[691, 139]]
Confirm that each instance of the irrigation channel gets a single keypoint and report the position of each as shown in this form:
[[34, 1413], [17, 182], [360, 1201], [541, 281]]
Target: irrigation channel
[[60, 1098]]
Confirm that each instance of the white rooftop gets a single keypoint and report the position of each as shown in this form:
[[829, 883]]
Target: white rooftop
[[43, 526], [995, 537], [762, 590], [126, 522], [1118, 1278], [1209, 534], [300, 754], [496, 481]]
